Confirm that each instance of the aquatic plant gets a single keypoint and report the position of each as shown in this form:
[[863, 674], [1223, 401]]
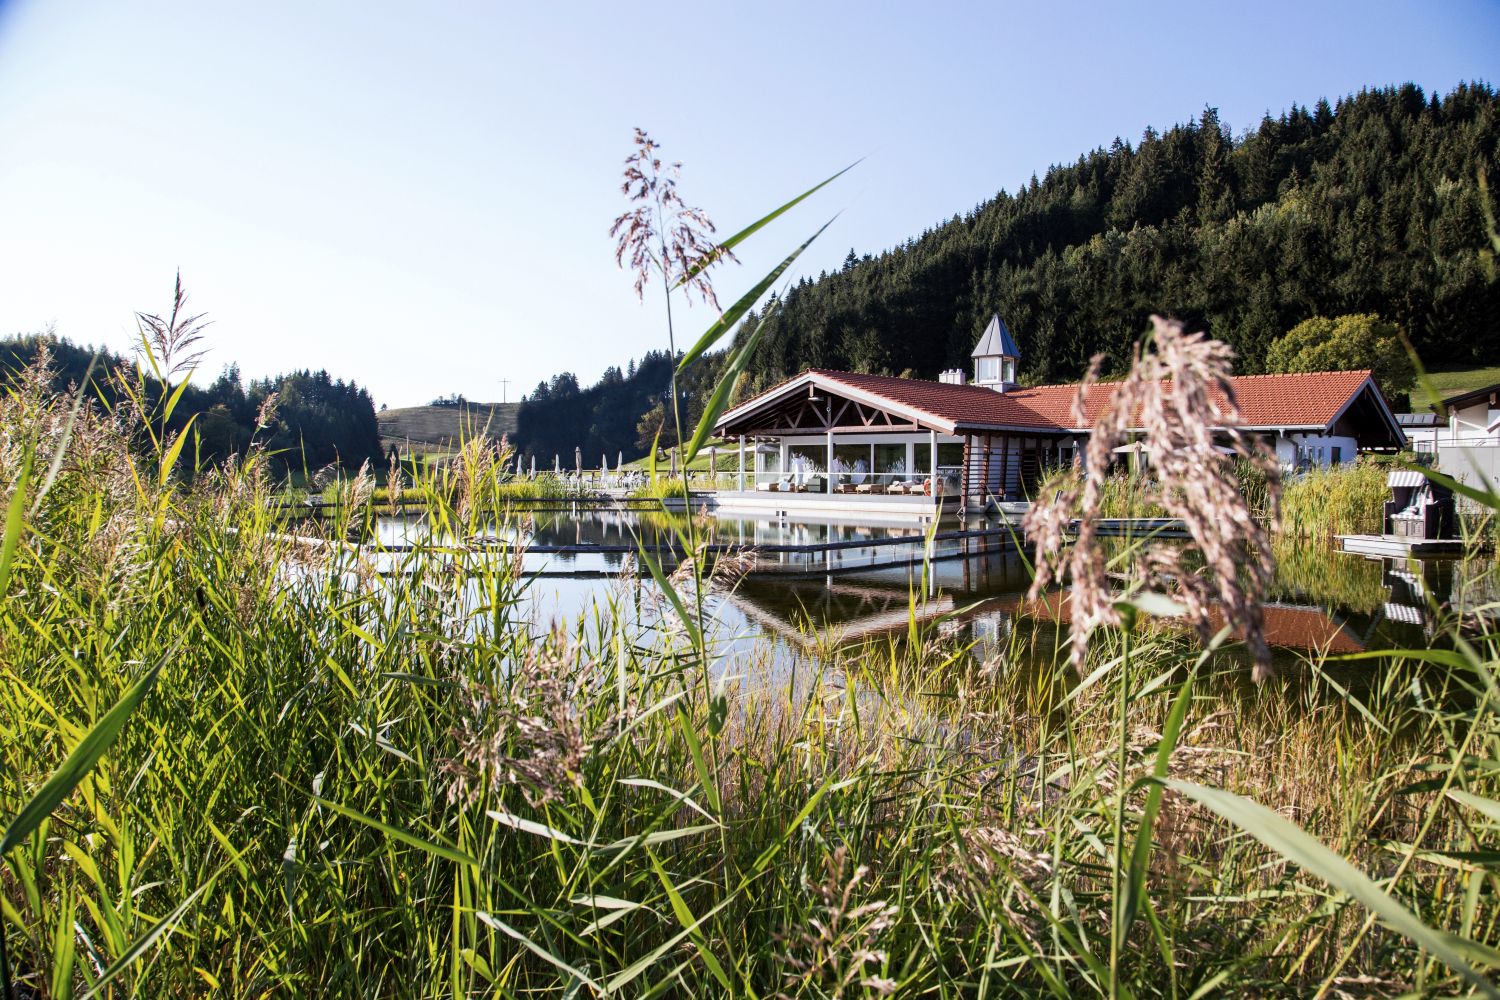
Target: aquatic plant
[[1179, 392], [1348, 499], [241, 756]]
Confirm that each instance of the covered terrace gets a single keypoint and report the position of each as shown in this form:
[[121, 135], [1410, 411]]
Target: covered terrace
[[838, 434]]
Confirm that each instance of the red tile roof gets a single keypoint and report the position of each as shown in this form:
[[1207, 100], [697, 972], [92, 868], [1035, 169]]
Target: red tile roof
[[1287, 400]]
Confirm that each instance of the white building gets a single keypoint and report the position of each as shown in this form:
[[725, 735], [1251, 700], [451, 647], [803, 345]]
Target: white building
[[874, 437], [1469, 419]]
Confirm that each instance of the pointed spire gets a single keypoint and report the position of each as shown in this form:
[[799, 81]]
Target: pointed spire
[[997, 357], [996, 341]]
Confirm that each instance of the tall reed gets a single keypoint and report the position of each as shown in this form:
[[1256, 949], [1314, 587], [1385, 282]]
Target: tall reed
[[1344, 500], [374, 774]]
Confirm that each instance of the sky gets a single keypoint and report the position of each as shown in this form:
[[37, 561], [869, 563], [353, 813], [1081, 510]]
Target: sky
[[417, 197]]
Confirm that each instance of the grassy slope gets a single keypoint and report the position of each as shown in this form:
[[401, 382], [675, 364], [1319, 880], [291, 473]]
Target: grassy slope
[[440, 427], [1451, 381]]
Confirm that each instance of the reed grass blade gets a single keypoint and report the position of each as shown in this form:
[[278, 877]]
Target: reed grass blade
[[95, 743], [1291, 842]]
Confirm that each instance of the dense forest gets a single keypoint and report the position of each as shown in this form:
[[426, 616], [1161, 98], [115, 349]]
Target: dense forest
[[1369, 205], [618, 414], [316, 421]]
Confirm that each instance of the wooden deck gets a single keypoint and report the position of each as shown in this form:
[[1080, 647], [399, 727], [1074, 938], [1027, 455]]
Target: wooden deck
[[1395, 545], [841, 506]]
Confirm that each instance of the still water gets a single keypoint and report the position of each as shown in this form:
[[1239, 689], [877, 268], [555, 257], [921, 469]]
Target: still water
[[851, 582]]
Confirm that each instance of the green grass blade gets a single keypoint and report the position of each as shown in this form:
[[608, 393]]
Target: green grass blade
[[60, 452], [670, 592], [171, 404], [1135, 884], [719, 401], [80, 762], [530, 826], [684, 916], [743, 305], [700, 762], [144, 943], [396, 833], [1489, 807], [537, 950], [631, 973], [1296, 845], [15, 524], [761, 223], [651, 458], [169, 460]]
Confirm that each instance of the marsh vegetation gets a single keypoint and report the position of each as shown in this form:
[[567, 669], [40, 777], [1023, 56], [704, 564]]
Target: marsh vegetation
[[337, 781]]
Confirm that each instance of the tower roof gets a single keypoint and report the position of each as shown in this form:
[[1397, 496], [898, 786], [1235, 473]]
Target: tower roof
[[997, 340]]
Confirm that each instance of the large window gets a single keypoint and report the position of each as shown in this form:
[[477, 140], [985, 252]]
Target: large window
[[947, 454], [852, 463], [805, 463], [890, 463], [988, 370]]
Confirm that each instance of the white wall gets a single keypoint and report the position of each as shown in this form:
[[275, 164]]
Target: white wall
[[1469, 426], [1295, 450]]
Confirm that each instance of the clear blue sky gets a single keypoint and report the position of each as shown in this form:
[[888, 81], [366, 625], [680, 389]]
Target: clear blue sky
[[416, 196]]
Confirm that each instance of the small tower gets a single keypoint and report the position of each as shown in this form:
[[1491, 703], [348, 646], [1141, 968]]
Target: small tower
[[996, 357]]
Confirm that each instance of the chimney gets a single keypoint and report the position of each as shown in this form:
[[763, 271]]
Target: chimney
[[954, 376]]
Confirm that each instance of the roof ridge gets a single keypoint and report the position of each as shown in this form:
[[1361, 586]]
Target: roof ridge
[[1327, 371], [901, 378]]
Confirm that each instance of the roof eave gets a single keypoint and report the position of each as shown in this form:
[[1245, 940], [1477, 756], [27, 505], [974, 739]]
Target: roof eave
[[917, 415], [1385, 408]]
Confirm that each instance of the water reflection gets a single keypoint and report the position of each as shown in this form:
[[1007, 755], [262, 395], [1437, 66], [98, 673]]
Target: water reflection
[[853, 582]]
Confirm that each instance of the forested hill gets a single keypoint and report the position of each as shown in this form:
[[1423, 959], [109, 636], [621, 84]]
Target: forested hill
[[317, 420], [1369, 205]]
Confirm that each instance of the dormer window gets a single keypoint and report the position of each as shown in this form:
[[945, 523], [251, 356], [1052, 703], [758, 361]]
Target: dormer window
[[988, 370]]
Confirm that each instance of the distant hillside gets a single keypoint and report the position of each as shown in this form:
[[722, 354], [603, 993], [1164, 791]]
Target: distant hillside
[[1368, 205], [1456, 381], [440, 428], [1371, 204], [318, 420]]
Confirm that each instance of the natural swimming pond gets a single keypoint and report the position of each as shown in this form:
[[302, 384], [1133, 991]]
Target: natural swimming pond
[[814, 581]]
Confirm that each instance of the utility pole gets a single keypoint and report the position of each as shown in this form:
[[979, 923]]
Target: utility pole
[[503, 383]]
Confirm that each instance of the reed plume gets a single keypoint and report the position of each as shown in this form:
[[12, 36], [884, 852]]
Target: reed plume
[[172, 340], [663, 234], [1179, 398]]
